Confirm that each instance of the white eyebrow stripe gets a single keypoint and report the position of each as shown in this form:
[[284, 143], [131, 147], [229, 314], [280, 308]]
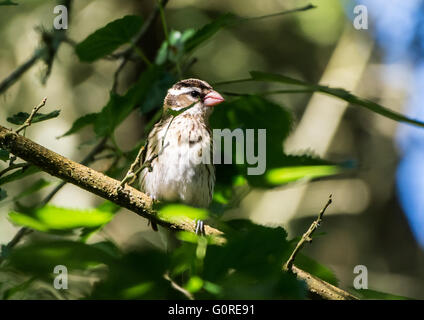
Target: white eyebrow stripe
[[177, 92]]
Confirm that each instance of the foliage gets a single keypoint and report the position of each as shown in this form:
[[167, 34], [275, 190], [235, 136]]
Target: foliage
[[247, 266]]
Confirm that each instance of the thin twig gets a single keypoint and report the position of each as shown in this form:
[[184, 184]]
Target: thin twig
[[34, 111], [307, 236], [19, 71], [177, 287], [130, 174]]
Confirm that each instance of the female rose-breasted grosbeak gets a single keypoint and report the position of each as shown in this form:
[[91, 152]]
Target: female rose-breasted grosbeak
[[176, 147]]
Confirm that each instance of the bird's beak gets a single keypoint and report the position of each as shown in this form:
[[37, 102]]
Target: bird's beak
[[212, 98]]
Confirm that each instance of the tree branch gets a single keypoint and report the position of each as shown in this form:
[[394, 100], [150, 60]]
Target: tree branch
[[307, 236], [89, 179]]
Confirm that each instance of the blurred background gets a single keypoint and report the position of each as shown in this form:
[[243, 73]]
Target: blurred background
[[377, 216]]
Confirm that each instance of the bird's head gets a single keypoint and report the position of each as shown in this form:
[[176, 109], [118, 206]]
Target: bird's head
[[193, 93]]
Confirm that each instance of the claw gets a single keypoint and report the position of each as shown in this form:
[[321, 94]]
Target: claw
[[200, 228]]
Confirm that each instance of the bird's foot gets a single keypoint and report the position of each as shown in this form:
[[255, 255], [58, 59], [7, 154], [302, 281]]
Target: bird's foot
[[200, 228]]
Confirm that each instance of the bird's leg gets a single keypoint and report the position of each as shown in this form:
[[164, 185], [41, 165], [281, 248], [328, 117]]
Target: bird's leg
[[200, 228]]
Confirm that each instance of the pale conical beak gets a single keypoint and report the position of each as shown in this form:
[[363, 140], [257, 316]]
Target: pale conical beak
[[212, 98]]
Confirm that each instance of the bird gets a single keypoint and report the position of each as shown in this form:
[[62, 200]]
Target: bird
[[179, 148]]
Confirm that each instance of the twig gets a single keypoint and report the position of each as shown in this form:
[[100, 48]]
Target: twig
[[130, 174], [177, 287], [34, 111], [307, 236]]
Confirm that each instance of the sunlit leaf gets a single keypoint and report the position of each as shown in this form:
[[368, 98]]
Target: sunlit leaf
[[278, 176], [107, 39], [53, 218], [175, 211], [80, 123]]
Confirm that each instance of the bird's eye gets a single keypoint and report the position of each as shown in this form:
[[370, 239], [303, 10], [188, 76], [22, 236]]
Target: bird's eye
[[195, 94]]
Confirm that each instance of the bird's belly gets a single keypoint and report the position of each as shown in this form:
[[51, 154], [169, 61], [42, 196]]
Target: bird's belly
[[178, 174]]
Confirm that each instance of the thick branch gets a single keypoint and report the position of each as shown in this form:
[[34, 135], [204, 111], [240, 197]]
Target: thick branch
[[319, 289], [130, 198], [88, 179]]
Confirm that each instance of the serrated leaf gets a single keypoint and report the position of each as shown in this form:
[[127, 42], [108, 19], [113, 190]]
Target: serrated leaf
[[107, 39], [175, 211], [20, 117], [338, 93], [278, 176], [80, 123], [50, 218]]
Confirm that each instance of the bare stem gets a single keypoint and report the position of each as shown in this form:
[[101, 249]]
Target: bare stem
[[307, 236]]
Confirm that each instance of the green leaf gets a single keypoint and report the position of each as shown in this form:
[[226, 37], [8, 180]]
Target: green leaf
[[4, 155], [208, 30], [175, 211], [107, 39], [80, 123], [278, 176], [194, 284], [20, 117], [313, 267], [50, 218], [338, 93], [19, 174]]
